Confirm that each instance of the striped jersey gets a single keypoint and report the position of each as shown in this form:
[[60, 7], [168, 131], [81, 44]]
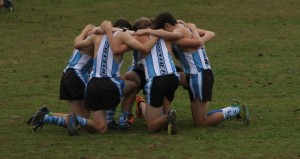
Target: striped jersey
[[195, 62], [159, 62], [82, 64], [104, 64]]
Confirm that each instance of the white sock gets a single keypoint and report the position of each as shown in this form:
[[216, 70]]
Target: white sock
[[230, 112]]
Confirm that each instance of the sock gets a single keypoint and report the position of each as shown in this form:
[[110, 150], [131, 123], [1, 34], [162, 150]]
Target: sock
[[57, 120], [213, 112], [110, 115], [81, 121], [123, 118], [230, 112]]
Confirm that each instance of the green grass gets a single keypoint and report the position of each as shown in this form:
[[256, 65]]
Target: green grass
[[255, 59]]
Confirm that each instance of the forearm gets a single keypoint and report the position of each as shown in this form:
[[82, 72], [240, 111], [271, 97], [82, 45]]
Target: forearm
[[206, 35], [114, 45], [149, 44], [196, 37], [99, 30], [164, 34]]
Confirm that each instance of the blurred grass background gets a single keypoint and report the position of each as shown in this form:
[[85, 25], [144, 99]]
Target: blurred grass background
[[255, 58]]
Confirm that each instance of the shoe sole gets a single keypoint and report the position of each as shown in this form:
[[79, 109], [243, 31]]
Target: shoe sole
[[246, 118], [72, 125], [171, 124]]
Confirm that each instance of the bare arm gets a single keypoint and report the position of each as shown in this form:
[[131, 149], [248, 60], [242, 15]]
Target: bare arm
[[81, 42], [160, 33], [116, 47], [99, 30], [194, 42], [206, 35], [84, 43], [135, 44]]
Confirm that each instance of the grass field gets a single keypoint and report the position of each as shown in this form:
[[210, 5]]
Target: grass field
[[255, 59]]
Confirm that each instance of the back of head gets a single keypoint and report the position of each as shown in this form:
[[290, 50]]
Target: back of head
[[142, 23], [162, 19], [123, 23]]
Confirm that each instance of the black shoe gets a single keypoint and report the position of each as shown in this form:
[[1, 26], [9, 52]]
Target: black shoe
[[37, 121], [72, 125], [9, 5], [112, 125], [43, 109], [123, 126]]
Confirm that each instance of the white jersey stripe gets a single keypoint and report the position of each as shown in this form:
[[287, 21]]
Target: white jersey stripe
[[104, 65], [158, 62]]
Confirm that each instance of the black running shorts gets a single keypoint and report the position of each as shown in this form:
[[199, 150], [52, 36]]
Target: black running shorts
[[101, 94], [160, 87], [71, 86], [201, 85]]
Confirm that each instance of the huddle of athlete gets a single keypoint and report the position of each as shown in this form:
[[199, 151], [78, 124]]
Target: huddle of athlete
[[92, 83]]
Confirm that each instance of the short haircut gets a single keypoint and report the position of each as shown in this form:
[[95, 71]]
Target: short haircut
[[162, 19], [142, 23], [122, 23]]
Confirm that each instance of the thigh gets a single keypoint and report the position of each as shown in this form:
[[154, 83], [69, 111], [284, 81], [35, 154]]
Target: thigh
[[199, 110], [98, 124], [152, 112], [129, 87]]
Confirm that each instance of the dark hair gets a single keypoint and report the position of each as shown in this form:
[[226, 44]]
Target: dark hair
[[142, 23], [162, 19], [123, 23]]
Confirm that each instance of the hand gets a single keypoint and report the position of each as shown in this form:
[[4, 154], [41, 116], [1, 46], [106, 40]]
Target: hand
[[106, 25], [191, 25], [89, 27], [97, 30], [181, 22], [141, 32]]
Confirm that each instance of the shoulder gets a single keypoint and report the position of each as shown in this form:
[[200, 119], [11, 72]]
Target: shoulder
[[142, 38]]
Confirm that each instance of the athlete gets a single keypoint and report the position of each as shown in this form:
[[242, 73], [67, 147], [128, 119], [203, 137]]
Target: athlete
[[199, 78], [8, 4], [161, 83], [72, 86]]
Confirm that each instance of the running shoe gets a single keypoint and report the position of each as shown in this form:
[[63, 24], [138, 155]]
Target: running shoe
[[37, 121], [171, 122], [244, 115], [123, 126], [43, 109], [138, 111], [112, 125], [72, 125], [9, 5]]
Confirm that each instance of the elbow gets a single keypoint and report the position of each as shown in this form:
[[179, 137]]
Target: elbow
[[146, 50], [76, 46], [200, 43]]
